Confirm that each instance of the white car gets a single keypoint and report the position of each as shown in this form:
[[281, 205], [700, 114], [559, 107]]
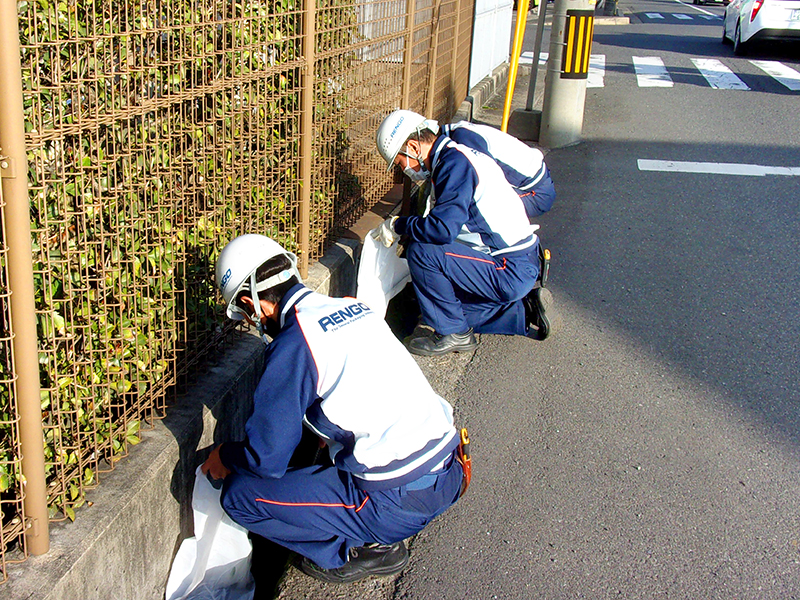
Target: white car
[[750, 20]]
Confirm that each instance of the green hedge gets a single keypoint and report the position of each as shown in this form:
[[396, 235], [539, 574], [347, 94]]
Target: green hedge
[[156, 133]]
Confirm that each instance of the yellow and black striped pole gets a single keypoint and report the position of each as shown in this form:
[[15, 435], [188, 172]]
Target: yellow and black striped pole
[[577, 43], [567, 71]]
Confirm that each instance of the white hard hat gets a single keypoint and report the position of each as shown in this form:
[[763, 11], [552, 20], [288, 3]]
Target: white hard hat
[[237, 265], [396, 129]]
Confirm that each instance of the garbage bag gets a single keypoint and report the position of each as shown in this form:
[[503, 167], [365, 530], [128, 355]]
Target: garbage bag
[[215, 563], [382, 274]]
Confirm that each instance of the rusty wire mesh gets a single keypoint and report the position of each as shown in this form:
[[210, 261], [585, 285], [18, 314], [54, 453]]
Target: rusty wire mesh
[[158, 130], [11, 490]]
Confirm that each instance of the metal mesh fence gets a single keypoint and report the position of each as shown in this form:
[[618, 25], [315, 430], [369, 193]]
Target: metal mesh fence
[[156, 131], [11, 492]]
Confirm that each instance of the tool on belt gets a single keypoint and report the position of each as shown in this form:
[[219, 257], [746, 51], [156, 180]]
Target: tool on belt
[[464, 460], [544, 263]]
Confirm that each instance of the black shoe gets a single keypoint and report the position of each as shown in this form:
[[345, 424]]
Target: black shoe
[[540, 313], [437, 344], [365, 561]]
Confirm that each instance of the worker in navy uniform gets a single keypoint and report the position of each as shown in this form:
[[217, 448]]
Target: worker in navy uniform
[[394, 453], [474, 257], [523, 166]]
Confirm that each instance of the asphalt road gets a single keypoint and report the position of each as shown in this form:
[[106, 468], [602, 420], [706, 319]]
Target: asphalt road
[[651, 448]]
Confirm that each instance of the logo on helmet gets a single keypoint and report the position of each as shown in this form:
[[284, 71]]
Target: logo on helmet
[[396, 127], [224, 281]]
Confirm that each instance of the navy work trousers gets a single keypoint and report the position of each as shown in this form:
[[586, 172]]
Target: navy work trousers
[[458, 287], [540, 200], [320, 513]]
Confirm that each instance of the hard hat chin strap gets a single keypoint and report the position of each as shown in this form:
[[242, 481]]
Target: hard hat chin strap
[[268, 283], [256, 300]]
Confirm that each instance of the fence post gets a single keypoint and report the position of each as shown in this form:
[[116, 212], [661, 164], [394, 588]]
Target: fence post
[[306, 134], [455, 99], [14, 178], [434, 51], [408, 56]]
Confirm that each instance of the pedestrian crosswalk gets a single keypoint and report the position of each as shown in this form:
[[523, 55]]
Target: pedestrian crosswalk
[[651, 72], [654, 16], [786, 75], [718, 75]]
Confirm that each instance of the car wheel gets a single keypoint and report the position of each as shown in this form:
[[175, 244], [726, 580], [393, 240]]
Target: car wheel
[[738, 44]]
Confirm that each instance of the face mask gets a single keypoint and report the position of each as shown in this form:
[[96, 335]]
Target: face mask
[[417, 176]]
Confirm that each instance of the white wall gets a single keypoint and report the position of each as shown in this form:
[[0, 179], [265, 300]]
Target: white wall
[[491, 37]]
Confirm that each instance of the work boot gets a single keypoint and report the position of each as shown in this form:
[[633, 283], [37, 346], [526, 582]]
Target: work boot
[[540, 313], [372, 559], [438, 344]]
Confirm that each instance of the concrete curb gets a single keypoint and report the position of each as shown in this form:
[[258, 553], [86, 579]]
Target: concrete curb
[[122, 545], [482, 91], [612, 20]]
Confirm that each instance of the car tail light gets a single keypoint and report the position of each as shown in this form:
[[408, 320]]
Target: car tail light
[[756, 7]]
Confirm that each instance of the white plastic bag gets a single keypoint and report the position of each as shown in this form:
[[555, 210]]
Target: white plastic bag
[[215, 563], [382, 274]]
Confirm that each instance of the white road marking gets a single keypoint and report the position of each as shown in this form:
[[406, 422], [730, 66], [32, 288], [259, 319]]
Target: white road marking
[[654, 15], [697, 8], [718, 75], [786, 75], [682, 16], [710, 17], [597, 67], [651, 72], [597, 71], [677, 166], [526, 58]]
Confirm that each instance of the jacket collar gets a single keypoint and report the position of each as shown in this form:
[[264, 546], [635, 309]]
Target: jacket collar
[[293, 296]]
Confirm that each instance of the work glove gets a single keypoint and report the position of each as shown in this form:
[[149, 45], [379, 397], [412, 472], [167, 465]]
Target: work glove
[[385, 232]]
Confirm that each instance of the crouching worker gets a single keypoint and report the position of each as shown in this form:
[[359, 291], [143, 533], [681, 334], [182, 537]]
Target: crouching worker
[[474, 258], [522, 165], [393, 448]]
